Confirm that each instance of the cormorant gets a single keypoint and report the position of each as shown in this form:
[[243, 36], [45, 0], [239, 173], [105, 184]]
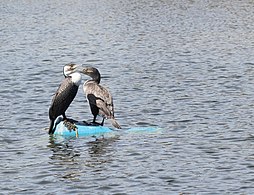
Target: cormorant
[[99, 98], [65, 93]]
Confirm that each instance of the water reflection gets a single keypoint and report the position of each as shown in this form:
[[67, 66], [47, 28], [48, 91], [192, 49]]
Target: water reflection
[[72, 157], [99, 146], [63, 150]]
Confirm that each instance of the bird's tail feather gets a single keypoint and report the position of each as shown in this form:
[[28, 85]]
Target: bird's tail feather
[[115, 124], [51, 127]]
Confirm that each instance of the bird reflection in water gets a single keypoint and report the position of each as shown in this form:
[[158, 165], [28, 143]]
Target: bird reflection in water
[[70, 160]]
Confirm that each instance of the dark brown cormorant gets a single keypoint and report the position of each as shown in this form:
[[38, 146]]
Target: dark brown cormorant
[[99, 98], [65, 94]]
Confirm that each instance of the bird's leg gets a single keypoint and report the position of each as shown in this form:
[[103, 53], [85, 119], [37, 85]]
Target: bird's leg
[[68, 119], [102, 121], [69, 124], [94, 123], [64, 117], [94, 119]]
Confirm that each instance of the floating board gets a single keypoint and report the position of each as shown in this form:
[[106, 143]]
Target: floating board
[[85, 129], [82, 129]]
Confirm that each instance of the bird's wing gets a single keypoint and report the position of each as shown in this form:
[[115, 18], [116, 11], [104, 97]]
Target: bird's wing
[[101, 97], [63, 97]]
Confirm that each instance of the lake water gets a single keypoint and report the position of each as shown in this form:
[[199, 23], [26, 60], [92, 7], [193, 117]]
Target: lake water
[[186, 67]]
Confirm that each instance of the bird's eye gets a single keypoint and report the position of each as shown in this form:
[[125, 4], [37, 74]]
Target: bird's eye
[[72, 66]]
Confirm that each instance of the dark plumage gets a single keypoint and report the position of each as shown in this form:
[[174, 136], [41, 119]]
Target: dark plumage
[[64, 95], [99, 98]]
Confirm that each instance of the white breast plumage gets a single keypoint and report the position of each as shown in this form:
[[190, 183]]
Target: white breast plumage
[[76, 78]]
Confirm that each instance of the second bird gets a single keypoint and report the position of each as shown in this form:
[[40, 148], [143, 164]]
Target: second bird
[[99, 98]]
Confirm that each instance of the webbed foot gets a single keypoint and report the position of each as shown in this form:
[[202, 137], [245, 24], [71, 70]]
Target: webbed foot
[[69, 124]]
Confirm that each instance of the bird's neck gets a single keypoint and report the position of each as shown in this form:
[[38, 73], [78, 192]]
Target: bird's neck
[[97, 79], [76, 78]]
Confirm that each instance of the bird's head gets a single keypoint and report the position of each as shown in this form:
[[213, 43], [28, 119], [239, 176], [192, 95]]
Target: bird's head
[[93, 73], [71, 68]]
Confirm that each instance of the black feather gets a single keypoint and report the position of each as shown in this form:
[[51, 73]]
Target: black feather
[[62, 100]]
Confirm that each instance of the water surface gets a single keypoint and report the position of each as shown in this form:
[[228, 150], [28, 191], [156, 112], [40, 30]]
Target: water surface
[[186, 67]]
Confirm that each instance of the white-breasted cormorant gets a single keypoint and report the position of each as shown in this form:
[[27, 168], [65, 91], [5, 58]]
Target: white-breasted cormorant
[[99, 98], [65, 94]]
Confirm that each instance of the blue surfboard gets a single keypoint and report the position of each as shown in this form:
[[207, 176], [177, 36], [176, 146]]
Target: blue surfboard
[[85, 129], [82, 129]]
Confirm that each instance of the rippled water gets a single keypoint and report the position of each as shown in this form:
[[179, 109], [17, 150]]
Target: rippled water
[[184, 66]]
